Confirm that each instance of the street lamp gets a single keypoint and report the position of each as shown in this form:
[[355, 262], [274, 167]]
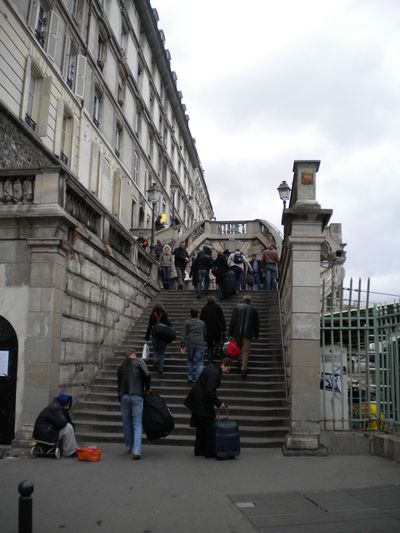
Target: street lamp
[[153, 194], [284, 193], [174, 188]]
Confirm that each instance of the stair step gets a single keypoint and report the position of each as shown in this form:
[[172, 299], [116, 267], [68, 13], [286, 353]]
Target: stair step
[[257, 403]]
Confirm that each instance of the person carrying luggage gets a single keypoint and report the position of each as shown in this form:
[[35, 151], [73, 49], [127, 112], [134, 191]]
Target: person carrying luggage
[[244, 326], [54, 425], [202, 401], [133, 382], [158, 314]]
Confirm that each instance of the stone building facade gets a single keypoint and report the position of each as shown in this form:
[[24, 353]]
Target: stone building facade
[[90, 118]]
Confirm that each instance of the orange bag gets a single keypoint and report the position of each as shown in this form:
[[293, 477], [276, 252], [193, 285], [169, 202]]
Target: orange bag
[[88, 454]]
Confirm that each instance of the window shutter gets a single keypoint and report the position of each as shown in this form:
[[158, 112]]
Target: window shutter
[[53, 35], [116, 193], [34, 14], [95, 169], [59, 126], [80, 76]]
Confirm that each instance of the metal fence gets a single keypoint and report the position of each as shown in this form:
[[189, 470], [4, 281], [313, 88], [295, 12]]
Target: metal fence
[[360, 362]]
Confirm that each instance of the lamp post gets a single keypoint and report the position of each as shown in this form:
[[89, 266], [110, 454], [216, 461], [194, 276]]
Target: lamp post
[[174, 188], [154, 195], [284, 193]]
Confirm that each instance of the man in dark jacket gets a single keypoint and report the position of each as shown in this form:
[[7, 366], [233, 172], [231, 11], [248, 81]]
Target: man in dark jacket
[[54, 425], [244, 326], [181, 260], [201, 401], [213, 317], [133, 382], [201, 266]]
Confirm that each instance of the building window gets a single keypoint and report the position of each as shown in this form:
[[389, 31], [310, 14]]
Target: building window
[[97, 101], [151, 147], [71, 52], [101, 50], [133, 213], [138, 122], [34, 97], [39, 18], [135, 167], [67, 137], [121, 89], [151, 103], [118, 139]]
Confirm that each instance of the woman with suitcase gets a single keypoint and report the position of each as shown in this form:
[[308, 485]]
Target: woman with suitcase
[[201, 401]]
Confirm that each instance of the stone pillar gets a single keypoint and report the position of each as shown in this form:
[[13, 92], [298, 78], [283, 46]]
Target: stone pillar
[[304, 221], [42, 344]]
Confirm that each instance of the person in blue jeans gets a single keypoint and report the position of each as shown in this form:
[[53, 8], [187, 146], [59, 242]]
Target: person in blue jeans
[[133, 382], [193, 339]]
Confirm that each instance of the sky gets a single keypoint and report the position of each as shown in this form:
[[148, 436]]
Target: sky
[[266, 83]]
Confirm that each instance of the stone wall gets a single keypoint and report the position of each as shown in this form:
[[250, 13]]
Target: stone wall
[[98, 289]]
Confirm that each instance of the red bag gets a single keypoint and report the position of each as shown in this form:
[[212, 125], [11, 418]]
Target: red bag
[[88, 454], [232, 348]]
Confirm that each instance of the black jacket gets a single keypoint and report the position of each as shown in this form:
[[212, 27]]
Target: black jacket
[[203, 262], [220, 267], [50, 421], [181, 257], [213, 317], [133, 377], [244, 322], [154, 317], [203, 396]]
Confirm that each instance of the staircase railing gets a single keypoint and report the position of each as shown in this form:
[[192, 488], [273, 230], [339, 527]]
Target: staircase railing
[[283, 347]]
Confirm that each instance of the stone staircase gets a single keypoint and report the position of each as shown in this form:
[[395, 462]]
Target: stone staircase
[[258, 403]]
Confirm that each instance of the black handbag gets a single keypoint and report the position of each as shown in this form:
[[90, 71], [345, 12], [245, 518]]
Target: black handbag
[[163, 332]]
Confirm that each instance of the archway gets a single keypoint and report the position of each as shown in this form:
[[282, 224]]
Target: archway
[[8, 380]]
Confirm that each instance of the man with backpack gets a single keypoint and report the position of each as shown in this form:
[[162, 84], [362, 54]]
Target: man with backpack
[[237, 262]]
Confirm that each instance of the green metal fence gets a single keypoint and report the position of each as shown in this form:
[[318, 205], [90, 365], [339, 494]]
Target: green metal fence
[[360, 362]]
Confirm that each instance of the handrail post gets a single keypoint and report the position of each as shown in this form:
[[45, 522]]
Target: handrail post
[[25, 489]]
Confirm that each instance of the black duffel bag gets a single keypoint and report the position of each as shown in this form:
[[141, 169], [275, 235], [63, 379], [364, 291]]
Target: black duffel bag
[[158, 421], [163, 332]]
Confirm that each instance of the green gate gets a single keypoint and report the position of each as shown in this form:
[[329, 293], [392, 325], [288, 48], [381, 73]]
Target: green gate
[[360, 362]]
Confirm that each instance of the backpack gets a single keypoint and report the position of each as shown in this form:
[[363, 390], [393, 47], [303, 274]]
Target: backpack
[[238, 258]]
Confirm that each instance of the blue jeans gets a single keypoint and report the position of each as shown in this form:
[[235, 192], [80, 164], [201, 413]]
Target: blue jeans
[[166, 270], [257, 284], [203, 280], [270, 277], [195, 356], [158, 352], [132, 412]]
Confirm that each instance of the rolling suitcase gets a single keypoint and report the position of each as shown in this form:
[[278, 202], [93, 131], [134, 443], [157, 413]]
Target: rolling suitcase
[[229, 282], [227, 438], [158, 421]]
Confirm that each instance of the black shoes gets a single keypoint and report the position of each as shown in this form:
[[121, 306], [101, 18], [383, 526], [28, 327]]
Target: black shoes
[[244, 374]]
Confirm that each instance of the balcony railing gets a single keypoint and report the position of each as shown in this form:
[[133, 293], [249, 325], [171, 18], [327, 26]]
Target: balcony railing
[[17, 189], [81, 210]]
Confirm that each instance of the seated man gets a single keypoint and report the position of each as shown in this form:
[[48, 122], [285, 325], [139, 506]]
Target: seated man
[[54, 424]]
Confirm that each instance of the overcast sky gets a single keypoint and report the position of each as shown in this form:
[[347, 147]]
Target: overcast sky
[[267, 82]]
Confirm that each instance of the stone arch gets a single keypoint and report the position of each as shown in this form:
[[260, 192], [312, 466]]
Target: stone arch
[[8, 380]]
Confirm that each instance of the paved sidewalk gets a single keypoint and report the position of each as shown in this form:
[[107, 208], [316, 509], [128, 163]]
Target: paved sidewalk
[[170, 490]]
